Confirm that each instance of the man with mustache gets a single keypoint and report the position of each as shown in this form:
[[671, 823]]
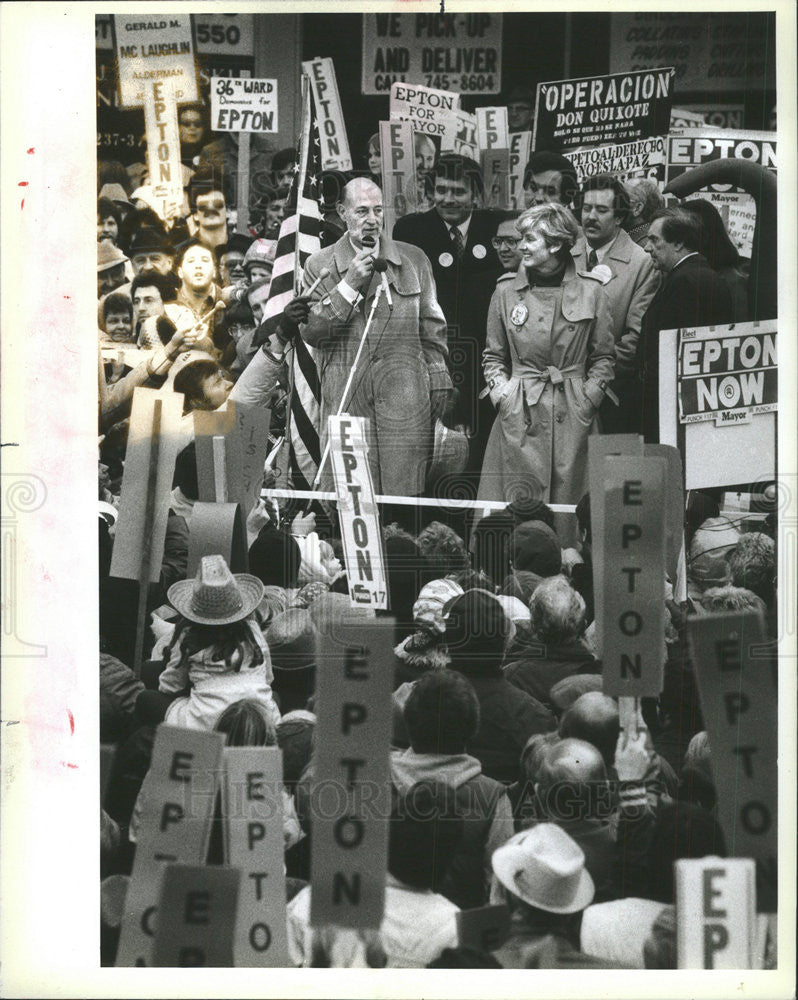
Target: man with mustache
[[630, 281]]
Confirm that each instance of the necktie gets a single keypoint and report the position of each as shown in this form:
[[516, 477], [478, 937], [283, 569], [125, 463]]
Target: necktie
[[457, 241], [592, 259]]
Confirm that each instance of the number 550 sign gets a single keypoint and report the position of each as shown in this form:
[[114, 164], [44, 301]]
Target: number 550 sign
[[224, 34]]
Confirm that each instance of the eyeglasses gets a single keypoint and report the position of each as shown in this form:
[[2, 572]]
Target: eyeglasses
[[499, 241], [191, 123]]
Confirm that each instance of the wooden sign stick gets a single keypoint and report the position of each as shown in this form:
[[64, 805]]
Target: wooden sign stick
[[219, 468], [146, 549], [630, 715]]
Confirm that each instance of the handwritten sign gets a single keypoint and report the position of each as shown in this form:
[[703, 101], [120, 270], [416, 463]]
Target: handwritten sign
[[633, 579], [197, 909], [398, 160], [253, 817], [737, 683], [351, 785], [600, 446], [175, 826], [332, 128], [496, 177], [452, 51], [429, 110], [520, 146], [492, 129], [601, 109], [130, 539], [715, 913], [357, 512], [163, 147], [151, 48], [243, 104], [253, 430]]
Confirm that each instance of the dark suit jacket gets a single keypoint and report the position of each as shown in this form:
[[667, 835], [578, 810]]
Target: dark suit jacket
[[692, 294], [464, 290]]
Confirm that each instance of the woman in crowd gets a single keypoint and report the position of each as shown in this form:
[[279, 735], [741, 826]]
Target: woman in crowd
[[548, 360]]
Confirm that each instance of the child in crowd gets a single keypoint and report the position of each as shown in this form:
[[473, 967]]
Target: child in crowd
[[217, 655]]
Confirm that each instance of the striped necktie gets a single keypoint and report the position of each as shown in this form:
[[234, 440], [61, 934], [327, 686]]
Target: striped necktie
[[592, 259], [457, 241]]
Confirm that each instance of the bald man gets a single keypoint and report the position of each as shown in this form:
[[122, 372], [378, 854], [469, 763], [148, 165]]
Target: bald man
[[401, 381], [573, 792]]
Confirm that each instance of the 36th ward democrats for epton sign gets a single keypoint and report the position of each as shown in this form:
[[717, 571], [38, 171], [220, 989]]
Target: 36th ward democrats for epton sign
[[727, 376]]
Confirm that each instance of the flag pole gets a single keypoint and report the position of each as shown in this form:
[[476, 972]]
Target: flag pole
[[304, 142]]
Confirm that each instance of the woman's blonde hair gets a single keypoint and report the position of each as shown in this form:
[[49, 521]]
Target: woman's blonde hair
[[554, 221]]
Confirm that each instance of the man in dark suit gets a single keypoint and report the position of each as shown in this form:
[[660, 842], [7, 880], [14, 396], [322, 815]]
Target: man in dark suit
[[691, 294], [456, 237], [630, 284]]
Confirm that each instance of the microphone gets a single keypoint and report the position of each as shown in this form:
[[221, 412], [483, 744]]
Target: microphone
[[381, 266]]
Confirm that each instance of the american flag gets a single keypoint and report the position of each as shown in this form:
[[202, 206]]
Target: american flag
[[299, 238]]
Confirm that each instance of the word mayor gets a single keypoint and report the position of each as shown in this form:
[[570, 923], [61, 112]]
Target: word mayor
[[605, 99]]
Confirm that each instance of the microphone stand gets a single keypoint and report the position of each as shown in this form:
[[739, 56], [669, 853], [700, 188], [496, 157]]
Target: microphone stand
[[347, 387]]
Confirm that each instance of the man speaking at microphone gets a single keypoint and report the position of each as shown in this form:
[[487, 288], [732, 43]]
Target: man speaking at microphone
[[400, 381]]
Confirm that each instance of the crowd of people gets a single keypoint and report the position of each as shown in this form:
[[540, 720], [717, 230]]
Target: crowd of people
[[525, 332]]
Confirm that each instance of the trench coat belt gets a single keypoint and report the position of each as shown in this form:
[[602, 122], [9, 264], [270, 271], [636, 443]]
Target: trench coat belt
[[534, 382]]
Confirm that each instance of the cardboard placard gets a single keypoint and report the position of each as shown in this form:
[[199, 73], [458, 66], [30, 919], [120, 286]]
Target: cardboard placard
[[692, 147], [220, 474], [626, 160], [460, 134], [427, 109], [727, 374], [154, 47], [633, 577], [225, 34], [454, 51], [197, 909], [357, 512], [484, 928], [595, 110], [175, 826], [737, 684], [492, 129], [520, 148], [253, 823], [332, 128], [673, 497], [163, 147], [599, 446], [217, 529], [723, 418], [243, 104], [715, 913], [253, 431], [129, 541], [399, 192], [496, 177], [350, 795]]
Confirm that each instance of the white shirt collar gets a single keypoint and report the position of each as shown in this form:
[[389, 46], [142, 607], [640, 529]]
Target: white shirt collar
[[463, 227], [693, 253]]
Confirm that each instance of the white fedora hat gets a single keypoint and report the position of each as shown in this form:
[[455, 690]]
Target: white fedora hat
[[216, 596], [545, 868]]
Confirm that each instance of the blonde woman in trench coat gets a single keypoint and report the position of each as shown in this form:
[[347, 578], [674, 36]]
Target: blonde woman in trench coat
[[548, 361]]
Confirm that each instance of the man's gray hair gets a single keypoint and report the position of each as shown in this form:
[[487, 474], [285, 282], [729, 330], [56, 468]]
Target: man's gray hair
[[557, 611]]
